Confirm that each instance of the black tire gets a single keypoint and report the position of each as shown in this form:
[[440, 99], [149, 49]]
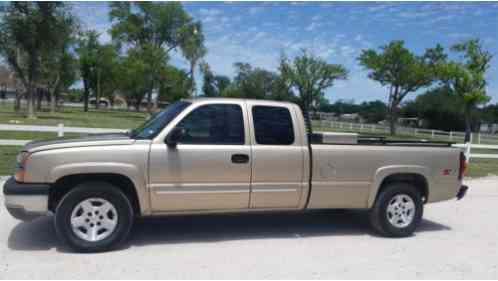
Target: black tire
[[379, 217], [84, 191]]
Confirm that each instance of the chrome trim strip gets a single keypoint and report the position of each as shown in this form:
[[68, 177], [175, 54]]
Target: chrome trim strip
[[275, 190], [160, 192]]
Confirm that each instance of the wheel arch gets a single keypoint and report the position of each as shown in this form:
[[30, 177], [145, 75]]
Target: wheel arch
[[416, 175], [66, 183]]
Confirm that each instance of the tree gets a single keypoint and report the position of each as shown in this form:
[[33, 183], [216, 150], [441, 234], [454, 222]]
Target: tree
[[193, 50], [98, 67], [254, 83], [88, 45], [310, 76], [28, 29], [104, 75], [213, 85], [152, 26], [402, 71], [373, 111], [58, 63], [133, 83], [466, 78], [436, 107], [175, 84]]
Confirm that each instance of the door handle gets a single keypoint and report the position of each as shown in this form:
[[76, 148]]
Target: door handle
[[240, 158]]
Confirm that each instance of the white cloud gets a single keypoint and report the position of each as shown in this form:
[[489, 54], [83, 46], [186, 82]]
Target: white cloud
[[209, 12], [255, 10], [312, 26]]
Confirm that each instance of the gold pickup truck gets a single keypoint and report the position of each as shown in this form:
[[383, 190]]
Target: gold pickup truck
[[216, 155]]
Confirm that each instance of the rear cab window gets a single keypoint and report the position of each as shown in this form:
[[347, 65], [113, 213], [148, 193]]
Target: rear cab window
[[272, 125]]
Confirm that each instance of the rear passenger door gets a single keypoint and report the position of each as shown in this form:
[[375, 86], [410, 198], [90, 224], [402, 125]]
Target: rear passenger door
[[277, 157]]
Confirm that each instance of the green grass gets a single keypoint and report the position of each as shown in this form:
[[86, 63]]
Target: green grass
[[482, 168], [70, 116], [20, 135], [8, 159]]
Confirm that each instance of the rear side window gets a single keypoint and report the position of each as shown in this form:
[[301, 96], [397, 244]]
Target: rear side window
[[272, 125], [214, 124]]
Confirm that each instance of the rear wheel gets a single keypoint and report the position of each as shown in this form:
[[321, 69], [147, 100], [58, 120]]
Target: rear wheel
[[94, 217], [397, 211]]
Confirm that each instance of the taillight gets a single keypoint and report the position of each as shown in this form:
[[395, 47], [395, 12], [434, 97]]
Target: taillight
[[463, 166]]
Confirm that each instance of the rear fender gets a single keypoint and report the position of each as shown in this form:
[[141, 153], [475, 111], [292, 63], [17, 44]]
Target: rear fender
[[386, 171]]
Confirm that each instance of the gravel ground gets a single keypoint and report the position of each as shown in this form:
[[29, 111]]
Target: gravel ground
[[456, 240]]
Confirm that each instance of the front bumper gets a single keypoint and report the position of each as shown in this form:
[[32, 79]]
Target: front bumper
[[25, 201], [462, 191]]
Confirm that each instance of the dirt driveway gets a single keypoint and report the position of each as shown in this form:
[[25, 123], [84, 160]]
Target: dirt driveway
[[456, 240]]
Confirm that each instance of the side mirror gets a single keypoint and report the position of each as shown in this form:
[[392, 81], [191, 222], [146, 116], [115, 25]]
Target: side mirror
[[175, 136]]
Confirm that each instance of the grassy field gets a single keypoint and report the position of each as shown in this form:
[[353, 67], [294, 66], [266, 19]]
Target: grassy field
[[8, 159], [74, 116], [19, 135]]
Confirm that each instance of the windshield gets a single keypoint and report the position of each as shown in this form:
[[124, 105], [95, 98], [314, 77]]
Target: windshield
[[157, 122]]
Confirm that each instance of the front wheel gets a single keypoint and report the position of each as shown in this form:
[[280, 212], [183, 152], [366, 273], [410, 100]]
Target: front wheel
[[397, 211], [94, 217]]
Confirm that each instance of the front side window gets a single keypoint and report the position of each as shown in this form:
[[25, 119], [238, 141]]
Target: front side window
[[272, 125], [156, 123], [214, 124]]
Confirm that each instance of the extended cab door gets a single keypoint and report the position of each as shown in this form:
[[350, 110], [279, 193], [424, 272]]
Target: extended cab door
[[278, 156], [210, 167]]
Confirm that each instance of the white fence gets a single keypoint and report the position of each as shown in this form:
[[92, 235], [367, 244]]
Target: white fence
[[477, 138], [469, 154], [60, 129]]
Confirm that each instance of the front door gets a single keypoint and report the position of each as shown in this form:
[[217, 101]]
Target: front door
[[210, 167]]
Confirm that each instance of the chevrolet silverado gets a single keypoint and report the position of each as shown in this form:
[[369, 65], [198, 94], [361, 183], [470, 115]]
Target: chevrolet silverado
[[217, 155]]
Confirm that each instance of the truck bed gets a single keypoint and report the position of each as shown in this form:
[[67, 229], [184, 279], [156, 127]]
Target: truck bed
[[345, 173]]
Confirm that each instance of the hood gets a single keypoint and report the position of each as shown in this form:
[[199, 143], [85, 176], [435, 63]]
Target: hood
[[90, 140]]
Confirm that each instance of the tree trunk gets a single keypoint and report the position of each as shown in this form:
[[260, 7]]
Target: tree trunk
[[39, 99], [97, 94], [149, 98], [393, 118], [393, 109], [149, 102], [85, 95], [30, 103], [468, 125], [192, 77], [137, 106], [53, 100], [57, 94], [17, 104]]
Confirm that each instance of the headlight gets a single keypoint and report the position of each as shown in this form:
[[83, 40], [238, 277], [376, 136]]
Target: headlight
[[22, 159]]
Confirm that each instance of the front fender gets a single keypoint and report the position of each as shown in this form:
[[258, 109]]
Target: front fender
[[124, 169], [384, 172]]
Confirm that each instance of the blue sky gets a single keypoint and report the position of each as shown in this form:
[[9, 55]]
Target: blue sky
[[258, 32]]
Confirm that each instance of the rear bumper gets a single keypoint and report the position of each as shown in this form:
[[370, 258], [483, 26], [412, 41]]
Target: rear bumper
[[462, 191], [25, 201]]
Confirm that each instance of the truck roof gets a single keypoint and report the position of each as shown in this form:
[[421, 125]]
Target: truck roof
[[204, 99]]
